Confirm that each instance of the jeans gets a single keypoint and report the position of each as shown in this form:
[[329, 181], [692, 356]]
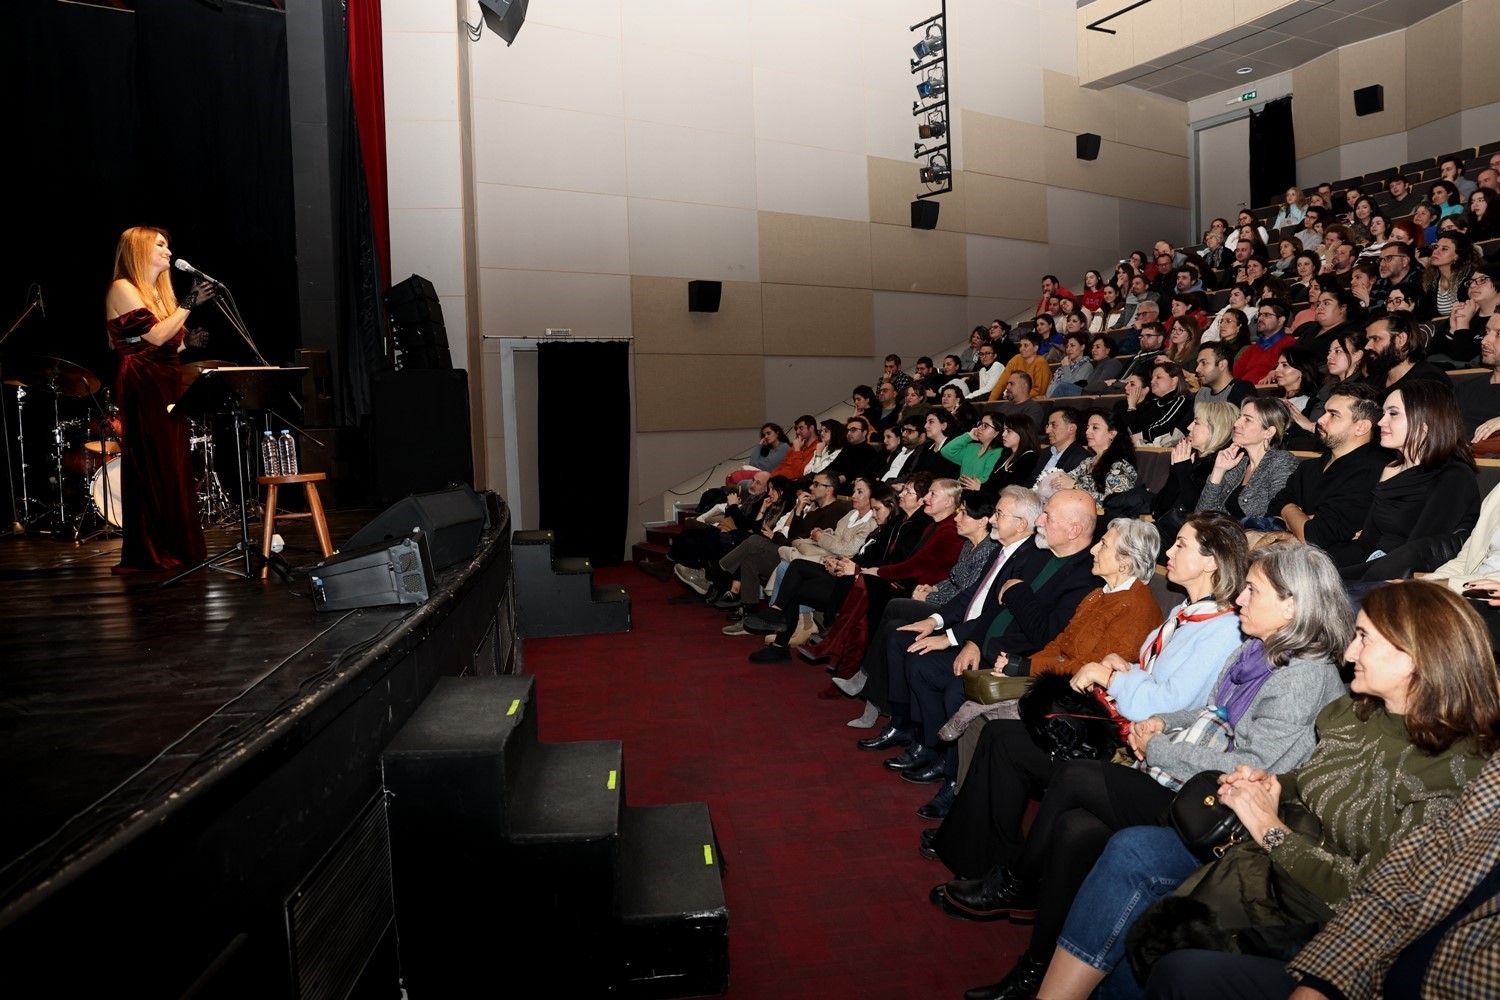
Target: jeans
[[1140, 865], [1064, 389]]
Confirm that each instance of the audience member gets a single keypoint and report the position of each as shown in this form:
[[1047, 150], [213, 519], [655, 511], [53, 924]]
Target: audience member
[[1075, 368], [1192, 460], [1395, 347], [989, 373], [1253, 468], [1109, 468], [1216, 381], [1272, 337], [1018, 435], [1466, 323], [1325, 500], [977, 451], [940, 426], [1453, 260], [1479, 398], [1163, 416], [1064, 450], [1028, 360]]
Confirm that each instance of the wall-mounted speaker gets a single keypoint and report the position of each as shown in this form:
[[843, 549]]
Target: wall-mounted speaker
[[1369, 100], [1088, 146], [504, 17], [924, 214], [388, 572], [703, 296]]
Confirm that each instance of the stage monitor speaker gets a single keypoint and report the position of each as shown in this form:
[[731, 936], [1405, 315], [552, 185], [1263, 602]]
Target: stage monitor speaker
[[504, 17], [1088, 146], [419, 432], [1369, 100], [703, 296], [388, 572], [451, 520], [924, 214]]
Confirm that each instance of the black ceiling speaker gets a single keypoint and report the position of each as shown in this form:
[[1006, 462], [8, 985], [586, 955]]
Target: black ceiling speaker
[[504, 17], [1369, 100], [1088, 146], [924, 214], [703, 296]]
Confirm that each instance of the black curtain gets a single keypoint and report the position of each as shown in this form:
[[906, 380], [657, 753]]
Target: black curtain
[[1273, 152], [174, 115], [583, 448]]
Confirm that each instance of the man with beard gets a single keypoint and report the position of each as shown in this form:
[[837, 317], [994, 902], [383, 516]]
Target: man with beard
[[1395, 345], [1326, 498], [1271, 338]]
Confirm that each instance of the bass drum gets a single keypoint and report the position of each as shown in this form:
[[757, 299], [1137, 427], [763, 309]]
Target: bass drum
[[104, 488]]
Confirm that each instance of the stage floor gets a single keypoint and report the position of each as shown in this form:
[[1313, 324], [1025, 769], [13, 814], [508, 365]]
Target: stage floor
[[116, 694]]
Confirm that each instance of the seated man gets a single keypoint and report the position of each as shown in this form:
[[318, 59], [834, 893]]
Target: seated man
[[1020, 394], [1065, 449], [1395, 349], [899, 379], [1271, 338], [1028, 610], [804, 443], [1028, 360], [1216, 383], [1326, 499], [1479, 398]]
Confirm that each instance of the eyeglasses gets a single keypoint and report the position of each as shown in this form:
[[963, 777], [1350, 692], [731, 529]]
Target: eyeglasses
[[1396, 300], [826, 486]]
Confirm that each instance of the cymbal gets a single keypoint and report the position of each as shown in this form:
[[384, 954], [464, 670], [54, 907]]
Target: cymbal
[[112, 447], [193, 369], [61, 377]]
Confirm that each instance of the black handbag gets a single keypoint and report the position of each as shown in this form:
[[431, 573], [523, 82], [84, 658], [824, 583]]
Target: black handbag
[[1207, 826], [1066, 724]]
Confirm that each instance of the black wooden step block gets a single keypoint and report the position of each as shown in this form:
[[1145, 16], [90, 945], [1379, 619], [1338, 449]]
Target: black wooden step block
[[673, 922], [571, 792]]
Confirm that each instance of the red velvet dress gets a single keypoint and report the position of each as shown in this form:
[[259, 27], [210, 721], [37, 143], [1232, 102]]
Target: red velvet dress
[[157, 509]]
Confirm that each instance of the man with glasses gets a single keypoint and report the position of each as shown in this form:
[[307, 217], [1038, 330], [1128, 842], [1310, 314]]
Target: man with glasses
[[1271, 338], [1397, 273], [859, 456], [989, 372], [1467, 321], [890, 405], [912, 439]]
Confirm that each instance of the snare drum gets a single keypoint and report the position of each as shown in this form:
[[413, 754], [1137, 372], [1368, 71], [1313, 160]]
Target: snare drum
[[104, 488]]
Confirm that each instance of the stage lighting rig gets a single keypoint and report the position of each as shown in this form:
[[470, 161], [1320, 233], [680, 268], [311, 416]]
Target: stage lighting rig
[[931, 69]]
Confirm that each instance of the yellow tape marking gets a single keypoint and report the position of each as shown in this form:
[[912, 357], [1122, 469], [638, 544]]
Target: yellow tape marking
[[611, 781], [513, 706], [708, 854]]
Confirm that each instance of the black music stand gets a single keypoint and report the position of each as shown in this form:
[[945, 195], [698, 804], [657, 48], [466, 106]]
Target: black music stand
[[237, 391]]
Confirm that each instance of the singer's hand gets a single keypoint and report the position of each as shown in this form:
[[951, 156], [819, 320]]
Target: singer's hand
[[201, 292], [197, 337]]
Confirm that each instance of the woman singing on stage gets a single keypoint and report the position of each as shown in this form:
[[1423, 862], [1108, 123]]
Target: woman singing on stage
[[147, 328]]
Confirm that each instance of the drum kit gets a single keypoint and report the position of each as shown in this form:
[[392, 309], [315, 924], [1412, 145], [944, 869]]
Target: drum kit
[[76, 466]]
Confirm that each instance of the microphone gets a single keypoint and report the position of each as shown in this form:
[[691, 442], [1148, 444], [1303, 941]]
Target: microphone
[[183, 265], [39, 303]]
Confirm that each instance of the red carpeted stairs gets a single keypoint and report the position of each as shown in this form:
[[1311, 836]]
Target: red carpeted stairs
[[827, 894]]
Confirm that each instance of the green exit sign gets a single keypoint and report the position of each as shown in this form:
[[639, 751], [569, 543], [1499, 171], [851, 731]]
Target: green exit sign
[[1248, 95]]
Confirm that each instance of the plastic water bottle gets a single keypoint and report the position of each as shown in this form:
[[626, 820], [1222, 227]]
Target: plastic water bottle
[[270, 460], [286, 451]]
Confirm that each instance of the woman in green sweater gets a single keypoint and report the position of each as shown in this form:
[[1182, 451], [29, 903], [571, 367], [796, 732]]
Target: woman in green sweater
[[976, 452], [1423, 717]]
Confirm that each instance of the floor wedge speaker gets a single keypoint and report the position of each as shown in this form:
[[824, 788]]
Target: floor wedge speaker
[[387, 572], [451, 520]]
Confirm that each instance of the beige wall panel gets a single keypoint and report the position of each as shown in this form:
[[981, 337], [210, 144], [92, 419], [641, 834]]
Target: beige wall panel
[[697, 392], [817, 321], [1481, 70], [915, 260], [1158, 28], [807, 250], [1005, 269], [1075, 109], [1315, 112], [912, 324], [795, 386], [662, 324], [1383, 61], [1149, 121], [1003, 147], [999, 206], [1120, 170], [1434, 76], [1083, 219], [664, 459], [994, 52], [527, 303], [894, 186]]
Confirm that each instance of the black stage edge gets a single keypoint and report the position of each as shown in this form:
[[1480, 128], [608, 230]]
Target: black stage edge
[[191, 789]]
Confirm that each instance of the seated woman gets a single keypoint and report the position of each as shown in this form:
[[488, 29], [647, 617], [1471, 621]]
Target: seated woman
[[700, 546], [1192, 462], [766, 456], [1296, 372], [1428, 492], [1102, 354], [831, 440], [1023, 449], [1260, 712], [865, 404], [1421, 720], [844, 538], [1075, 368], [941, 427], [1110, 465], [914, 402], [1233, 330], [1162, 417], [971, 520], [738, 576], [1253, 468], [976, 452]]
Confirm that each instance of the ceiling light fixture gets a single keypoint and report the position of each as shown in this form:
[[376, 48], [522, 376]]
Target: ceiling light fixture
[[1245, 70]]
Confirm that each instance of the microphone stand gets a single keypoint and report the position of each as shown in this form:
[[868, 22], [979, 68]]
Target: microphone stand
[[15, 527]]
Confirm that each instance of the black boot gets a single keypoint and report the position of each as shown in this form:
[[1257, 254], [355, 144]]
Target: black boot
[[1001, 893], [1020, 983]]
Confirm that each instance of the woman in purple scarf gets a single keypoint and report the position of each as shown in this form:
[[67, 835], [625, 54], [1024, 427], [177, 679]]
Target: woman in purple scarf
[[1297, 623]]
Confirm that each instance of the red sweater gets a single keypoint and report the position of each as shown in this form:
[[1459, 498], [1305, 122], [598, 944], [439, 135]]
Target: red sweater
[[934, 557], [796, 460]]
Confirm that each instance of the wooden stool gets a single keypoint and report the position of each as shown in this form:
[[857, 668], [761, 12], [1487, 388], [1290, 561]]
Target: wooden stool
[[309, 480]]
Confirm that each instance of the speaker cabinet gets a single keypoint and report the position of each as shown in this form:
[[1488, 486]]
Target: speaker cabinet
[[1369, 100], [924, 214], [504, 17], [1088, 146], [703, 296], [419, 432], [451, 521], [388, 572]]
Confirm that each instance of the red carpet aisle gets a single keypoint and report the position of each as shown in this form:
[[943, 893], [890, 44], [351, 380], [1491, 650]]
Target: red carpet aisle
[[827, 894]]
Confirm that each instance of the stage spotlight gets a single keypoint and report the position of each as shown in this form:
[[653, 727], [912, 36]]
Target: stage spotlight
[[933, 128], [931, 43], [933, 85], [936, 171]]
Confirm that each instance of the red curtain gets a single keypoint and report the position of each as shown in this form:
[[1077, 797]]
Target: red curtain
[[367, 77]]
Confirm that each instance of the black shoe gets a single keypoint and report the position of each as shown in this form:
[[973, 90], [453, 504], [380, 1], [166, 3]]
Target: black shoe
[[1020, 983], [929, 837], [999, 894], [933, 771], [939, 894], [888, 737], [737, 614], [914, 756], [728, 602], [810, 653], [939, 806], [771, 654], [767, 621]]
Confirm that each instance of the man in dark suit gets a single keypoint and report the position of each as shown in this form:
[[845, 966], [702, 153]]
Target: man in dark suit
[[1026, 612], [1066, 452]]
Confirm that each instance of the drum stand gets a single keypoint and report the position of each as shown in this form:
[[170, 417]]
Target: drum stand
[[214, 504], [107, 437]]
